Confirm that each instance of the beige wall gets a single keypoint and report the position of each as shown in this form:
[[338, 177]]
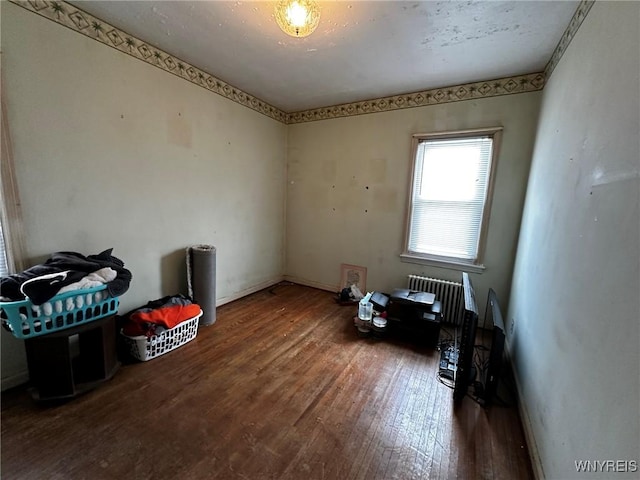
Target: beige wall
[[575, 294], [112, 152], [348, 182]]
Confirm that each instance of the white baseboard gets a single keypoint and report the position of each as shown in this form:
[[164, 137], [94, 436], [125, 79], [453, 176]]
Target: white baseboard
[[532, 446], [309, 283], [249, 291], [14, 380]]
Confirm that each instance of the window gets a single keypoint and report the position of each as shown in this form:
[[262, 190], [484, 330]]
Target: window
[[11, 231], [450, 198], [4, 264]]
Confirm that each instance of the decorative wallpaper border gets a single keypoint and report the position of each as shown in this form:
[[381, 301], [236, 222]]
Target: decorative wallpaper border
[[491, 88], [76, 19], [567, 36], [469, 91]]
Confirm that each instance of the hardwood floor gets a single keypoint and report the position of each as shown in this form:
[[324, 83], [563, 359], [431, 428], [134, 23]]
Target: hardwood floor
[[281, 387]]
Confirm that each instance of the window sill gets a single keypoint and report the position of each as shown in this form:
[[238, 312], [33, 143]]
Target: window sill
[[451, 264]]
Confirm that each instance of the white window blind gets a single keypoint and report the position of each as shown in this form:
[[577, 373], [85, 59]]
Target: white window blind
[[4, 267], [450, 185]]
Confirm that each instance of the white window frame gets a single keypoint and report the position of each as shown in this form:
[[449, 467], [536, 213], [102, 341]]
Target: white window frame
[[10, 210], [475, 265]]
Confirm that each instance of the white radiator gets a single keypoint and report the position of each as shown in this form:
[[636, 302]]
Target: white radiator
[[448, 293]]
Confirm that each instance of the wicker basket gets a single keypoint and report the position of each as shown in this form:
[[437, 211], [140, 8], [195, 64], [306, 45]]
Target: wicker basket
[[26, 320], [145, 348]]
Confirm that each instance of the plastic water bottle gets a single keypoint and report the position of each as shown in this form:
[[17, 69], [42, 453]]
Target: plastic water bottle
[[365, 310]]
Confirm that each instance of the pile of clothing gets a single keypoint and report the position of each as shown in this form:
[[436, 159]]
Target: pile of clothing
[[64, 272], [158, 316], [351, 294]]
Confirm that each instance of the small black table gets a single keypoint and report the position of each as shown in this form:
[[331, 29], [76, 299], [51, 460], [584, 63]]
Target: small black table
[[418, 313], [72, 361]]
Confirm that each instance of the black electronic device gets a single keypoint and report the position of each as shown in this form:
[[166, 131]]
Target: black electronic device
[[448, 362], [465, 372], [417, 313], [379, 301], [493, 317]]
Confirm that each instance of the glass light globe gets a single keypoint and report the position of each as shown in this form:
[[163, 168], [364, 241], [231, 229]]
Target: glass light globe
[[297, 18]]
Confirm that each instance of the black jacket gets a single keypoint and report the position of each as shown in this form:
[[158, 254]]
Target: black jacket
[[76, 264]]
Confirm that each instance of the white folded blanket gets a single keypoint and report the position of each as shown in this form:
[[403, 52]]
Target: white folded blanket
[[94, 279]]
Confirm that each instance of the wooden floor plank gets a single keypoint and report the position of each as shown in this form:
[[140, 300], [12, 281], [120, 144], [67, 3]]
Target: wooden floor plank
[[281, 387]]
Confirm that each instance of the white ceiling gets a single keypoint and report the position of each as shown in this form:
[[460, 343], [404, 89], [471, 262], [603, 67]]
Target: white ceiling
[[361, 50]]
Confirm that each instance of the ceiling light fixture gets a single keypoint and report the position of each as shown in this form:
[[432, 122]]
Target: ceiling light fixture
[[297, 18]]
